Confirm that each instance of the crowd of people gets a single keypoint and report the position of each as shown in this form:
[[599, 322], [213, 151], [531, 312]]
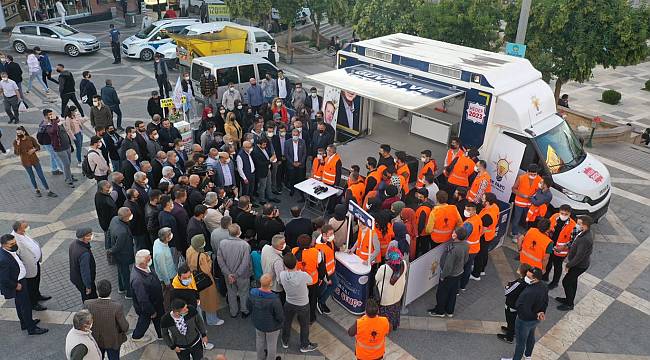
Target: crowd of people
[[189, 225]]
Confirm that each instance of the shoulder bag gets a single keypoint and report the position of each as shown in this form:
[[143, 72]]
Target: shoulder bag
[[203, 280]]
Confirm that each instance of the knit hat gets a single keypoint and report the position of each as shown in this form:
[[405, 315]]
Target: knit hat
[[83, 232], [198, 242]]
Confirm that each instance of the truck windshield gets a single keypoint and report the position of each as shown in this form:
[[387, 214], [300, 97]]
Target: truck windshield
[[144, 33], [560, 148], [264, 37]]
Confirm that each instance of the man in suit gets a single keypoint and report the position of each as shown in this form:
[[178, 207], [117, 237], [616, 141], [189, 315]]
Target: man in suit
[[82, 264], [29, 252], [297, 226], [246, 169], [113, 143], [172, 160], [313, 103], [304, 132], [105, 207], [141, 139], [283, 87], [101, 132], [263, 157], [130, 166], [130, 143], [109, 324], [279, 168], [156, 168], [348, 114], [321, 138], [224, 172], [122, 249], [14, 286], [295, 153]]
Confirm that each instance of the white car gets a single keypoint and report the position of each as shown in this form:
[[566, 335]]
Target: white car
[[145, 43]]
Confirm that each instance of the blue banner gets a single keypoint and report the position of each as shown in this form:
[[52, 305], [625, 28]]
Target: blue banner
[[352, 289], [475, 117], [358, 212]]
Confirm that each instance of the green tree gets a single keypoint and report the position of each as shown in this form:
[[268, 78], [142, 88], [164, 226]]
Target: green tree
[[257, 11], [566, 39], [373, 18], [473, 23], [287, 10], [336, 11]]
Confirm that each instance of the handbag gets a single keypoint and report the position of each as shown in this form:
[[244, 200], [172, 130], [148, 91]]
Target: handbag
[[203, 280]]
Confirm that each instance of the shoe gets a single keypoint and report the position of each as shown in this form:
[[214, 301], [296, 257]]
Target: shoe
[[323, 307], [482, 273], [74, 179], [560, 299], [245, 315], [26, 91], [44, 298], [504, 328], [528, 358], [504, 338], [477, 278], [36, 321], [37, 331], [274, 200], [71, 185], [565, 307], [79, 165], [39, 307], [276, 192], [127, 297], [450, 315], [57, 172], [284, 345], [435, 314], [38, 193], [145, 338], [51, 194], [234, 316], [552, 285], [219, 322], [121, 291], [506, 358], [309, 348], [208, 346], [463, 289]]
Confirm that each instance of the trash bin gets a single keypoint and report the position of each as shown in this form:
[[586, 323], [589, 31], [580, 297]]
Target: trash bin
[[129, 19]]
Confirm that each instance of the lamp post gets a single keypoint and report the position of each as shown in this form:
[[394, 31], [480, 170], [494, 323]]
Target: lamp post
[[594, 124]]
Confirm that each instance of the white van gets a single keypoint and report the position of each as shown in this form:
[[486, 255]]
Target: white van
[[143, 45], [235, 68]]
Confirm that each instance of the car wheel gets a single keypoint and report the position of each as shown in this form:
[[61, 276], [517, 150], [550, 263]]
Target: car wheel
[[20, 47], [146, 55], [72, 50]]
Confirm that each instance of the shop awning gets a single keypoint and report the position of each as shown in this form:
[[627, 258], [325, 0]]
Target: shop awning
[[386, 86]]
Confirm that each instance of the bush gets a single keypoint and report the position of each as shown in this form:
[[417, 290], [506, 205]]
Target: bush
[[647, 85], [611, 97]]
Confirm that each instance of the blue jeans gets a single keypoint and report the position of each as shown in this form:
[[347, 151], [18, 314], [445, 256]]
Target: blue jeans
[[517, 214], [39, 172], [525, 338], [55, 165], [78, 143], [111, 353], [467, 270], [36, 75], [325, 289], [124, 278]]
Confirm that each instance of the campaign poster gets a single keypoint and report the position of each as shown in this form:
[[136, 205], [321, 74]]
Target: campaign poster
[[503, 165], [348, 112], [331, 98]]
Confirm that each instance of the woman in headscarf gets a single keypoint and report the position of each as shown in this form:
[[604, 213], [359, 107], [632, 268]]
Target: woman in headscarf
[[196, 255], [402, 237], [396, 209], [391, 282], [340, 224], [408, 218]]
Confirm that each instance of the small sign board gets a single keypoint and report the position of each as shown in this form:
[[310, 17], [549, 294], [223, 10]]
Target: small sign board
[[515, 49], [167, 103]]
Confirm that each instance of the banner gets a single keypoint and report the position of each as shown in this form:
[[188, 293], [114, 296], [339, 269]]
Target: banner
[[421, 275], [476, 115], [352, 289], [331, 105], [503, 165], [167, 103], [218, 12]]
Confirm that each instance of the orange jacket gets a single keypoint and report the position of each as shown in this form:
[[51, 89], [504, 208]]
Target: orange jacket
[[561, 247], [371, 337], [535, 211], [533, 248], [357, 190], [475, 191], [430, 166], [525, 187], [329, 169], [377, 175], [489, 232], [385, 238], [309, 263], [442, 221], [364, 239], [316, 169], [474, 239], [450, 156], [330, 261], [405, 171], [462, 170]]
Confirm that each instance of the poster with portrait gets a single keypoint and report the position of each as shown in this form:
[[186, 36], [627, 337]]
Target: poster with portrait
[[331, 99], [348, 112]]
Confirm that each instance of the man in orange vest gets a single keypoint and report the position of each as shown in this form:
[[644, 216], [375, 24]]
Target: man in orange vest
[[540, 201], [332, 167], [374, 175], [535, 247], [355, 189], [461, 169], [424, 206], [357, 169], [474, 227], [482, 183], [328, 249], [490, 217], [429, 167], [310, 260], [524, 188], [455, 151], [362, 248], [317, 165], [443, 219], [561, 232], [370, 332], [401, 167]]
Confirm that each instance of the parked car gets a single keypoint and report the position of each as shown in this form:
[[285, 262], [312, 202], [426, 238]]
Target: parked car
[[52, 36], [143, 45]]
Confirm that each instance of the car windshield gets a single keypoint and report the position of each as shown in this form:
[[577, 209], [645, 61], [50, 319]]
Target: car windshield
[[144, 33], [264, 37], [560, 148], [65, 30]]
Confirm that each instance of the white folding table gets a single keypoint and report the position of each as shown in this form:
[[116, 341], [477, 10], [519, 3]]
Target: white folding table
[[316, 203]]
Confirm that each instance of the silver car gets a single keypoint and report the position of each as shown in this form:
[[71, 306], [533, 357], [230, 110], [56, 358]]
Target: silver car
[[52, 36]]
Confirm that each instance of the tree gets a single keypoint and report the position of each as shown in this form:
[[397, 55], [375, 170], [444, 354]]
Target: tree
[[473, 23], [336, 10], [566, 39], [374, 18], [257, 11], [287, 10]]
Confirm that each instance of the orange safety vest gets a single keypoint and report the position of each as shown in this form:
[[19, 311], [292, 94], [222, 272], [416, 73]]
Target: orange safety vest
[[535, 211], [473, 191], [404, 184], [526, 188], [450, 156], [561, 247], [474, 239], [371, 337], [375, 174], [404, 171], [309, 263], [385, 239], [422, 209], [329, 169], [446, 219], [317, 169], [363, 240], [429, 166], [462, 170], [357, 189], [361, 180], [330, 261], [493, 211], [533, 248]]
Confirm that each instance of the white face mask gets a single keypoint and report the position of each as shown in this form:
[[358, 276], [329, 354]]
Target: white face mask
[[532, 177], [136, 157], [210, 115], [131, 217], [564, 217], [528, 280], [187, 78], [283, 133], [278, 104], [475, 168], [314, 95], [133, 135], [269, 134], [222, 111], [155, 137], [467, 213], [423, 159], [146, 181], [239, 107], [150, 263]]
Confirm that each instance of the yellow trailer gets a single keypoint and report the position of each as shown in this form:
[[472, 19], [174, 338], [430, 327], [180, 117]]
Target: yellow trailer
[[230, 40]]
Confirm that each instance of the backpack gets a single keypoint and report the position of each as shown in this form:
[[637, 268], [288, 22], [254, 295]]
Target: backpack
[[42, 136], [85, 166]]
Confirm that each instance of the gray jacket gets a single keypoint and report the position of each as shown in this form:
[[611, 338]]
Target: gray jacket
[[234, 257], [272, 264], [455, 258], [121, 241], [580, 251]]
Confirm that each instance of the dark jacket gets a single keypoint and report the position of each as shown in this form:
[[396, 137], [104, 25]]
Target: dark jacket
[[147, 293], [153, 107], [166, 219], [295, 228], [45, 63], [246, 221], [82, 265], [113, 143], [121, 241], [120, 194], [106, 209], [9, 271], [109, 323], [167, 136], [129, 144], [267, 227], [87, 88], [109, 96], [137, 224], [266, 310], [101, 116], [60, 138], [156, 172], [143, 200], [66, 83], [287, 85], [194, 197], [532, 300], [128, 170], [319, 140], [308, 102], [195, 330], [197, 227], [208, 86], [151, 220], [190, 296], [180, 237], [142, 146], [512, 291], [219, 180], [14, 72], [580, 251], [261, 162], [302, 152]]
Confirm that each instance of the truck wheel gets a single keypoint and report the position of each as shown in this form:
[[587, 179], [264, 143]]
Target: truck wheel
[[72, 50], [146, 55], [20, 47]]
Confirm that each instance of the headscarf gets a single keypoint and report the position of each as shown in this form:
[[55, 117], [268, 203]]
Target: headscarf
[[340, 212], [399, 229], [394, 260], [408, 217], [198, 242], [396, 207]]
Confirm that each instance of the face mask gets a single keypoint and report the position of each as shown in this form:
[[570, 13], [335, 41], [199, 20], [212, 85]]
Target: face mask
[[96, 103], [99, 145], [146, 181], [232, 89], [131, 217], [527, 280], [186, 282], [133, 135], [423, 159], [222, 111], [295, 138], [150, 263], [283, 133], [187, 78], [269, 134], [21, 135], [14, 248], [578, 228], [206, 74], [155, 137], [331, 238], [183, 314], [278, 104], [239, 107], [248, 151], [136, 157], [532, 177], [467, 213], [5, 78], [320, 156], [314, 95], [210, 115], [475, 168], [284, 246], [564, 217], [299, 128]]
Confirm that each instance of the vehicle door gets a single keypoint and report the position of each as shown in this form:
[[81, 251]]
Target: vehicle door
[[225, 76], [263, 43], [246, 72], [50, 39], [196, 71], [264, 68], [159, 38], [29, 34]]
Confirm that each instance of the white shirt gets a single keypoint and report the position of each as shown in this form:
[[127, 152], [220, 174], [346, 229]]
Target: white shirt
[[314, 107], [282, 88], [240, 165], [9, 88], [295, 150], [60, 8], [349, 110], [23, 271], [33, 246]]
